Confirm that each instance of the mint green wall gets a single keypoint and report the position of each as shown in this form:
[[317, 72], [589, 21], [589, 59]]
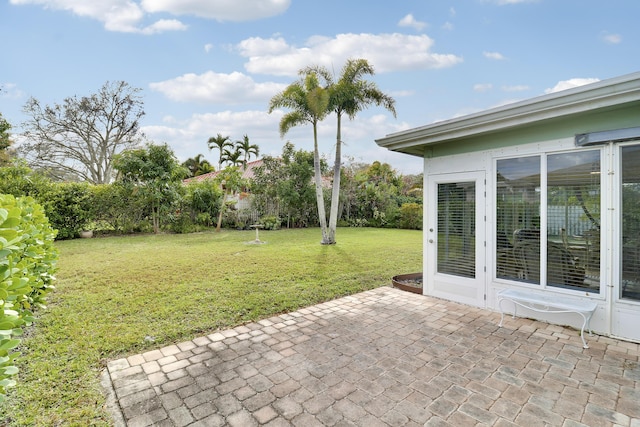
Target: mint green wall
[[625, 116]]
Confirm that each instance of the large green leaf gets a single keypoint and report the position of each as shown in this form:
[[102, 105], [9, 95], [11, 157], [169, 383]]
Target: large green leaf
[[9, 370], [8, 344], [10, 222], [7, 383], [27, 264]]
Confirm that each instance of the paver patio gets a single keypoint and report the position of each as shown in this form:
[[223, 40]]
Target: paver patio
[[384, 357]]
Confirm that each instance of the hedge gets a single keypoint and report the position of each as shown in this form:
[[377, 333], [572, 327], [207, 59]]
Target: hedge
[[27, 263]]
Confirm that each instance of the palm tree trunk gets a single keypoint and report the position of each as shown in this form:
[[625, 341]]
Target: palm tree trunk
[[322, 215], [335, 190]]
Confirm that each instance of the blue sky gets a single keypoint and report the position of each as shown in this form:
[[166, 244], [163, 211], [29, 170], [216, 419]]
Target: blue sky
[[211, 66]]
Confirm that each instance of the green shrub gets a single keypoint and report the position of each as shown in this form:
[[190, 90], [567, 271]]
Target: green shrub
[[411, 216], [19, 180], [358, 222], [204, 218], [119, 209], [69, 208], [27, 264], [270, 222], [181, 223], [203, 199]]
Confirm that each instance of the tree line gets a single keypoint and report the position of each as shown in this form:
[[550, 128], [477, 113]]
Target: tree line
[[88, 163], [150, 195]]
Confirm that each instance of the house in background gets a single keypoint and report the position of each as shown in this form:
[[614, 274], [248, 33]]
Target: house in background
[[242, 200], [541, 196]]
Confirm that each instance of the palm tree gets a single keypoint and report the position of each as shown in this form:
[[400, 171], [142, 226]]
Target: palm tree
[[246, 149], [350, 95], [220, 142], [232, 156], [205, 167], [197, 165], [308, 102]]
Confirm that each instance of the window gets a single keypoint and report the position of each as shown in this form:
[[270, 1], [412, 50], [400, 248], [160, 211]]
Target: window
[[630, 239], [572, 227], [518, 219], [573, 220], [457, 229]]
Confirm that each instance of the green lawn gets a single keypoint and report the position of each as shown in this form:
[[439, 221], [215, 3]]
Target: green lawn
[[116, 295]]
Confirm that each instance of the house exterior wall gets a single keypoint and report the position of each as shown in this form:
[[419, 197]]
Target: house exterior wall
[[480, 154], [501, 174]]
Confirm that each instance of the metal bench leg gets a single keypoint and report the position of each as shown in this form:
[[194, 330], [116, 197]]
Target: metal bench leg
[[501, 312], [584, 323]]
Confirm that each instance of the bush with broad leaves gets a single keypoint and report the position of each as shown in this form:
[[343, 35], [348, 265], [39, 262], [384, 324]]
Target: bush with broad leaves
[[27, 263]]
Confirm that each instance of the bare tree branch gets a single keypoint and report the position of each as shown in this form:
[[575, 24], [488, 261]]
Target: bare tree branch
[[81, 135]]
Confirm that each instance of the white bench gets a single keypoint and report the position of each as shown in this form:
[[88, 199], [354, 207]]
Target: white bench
[[544, 304]]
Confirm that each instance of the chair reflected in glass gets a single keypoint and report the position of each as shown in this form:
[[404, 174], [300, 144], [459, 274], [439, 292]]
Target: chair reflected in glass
[[562, 268]]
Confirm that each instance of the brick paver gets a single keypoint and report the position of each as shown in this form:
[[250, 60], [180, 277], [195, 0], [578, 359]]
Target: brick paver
[[383, 357]]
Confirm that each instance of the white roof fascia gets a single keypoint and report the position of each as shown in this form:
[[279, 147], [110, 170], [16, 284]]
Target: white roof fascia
[[603, 94]]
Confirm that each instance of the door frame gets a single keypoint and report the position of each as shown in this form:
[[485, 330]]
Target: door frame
[[471, 291], [625, 313]]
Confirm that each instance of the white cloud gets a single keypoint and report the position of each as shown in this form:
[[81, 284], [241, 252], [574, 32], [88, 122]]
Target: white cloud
[[116, 15], [516, 88], [164, 25], [493, 55], [482, 87], [220, 10], [128, 15], [211, 87], [447, 26], [208, 47], [386, 52], [571, 83], [410, 21], [256, 46], [612, 38]]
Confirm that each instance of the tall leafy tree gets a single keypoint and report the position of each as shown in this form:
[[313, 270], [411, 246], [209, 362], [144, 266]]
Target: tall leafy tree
[[284, 186], [221, 143], [348, 96], [246, 149], [155, 171], [81, 136], [308, 102]]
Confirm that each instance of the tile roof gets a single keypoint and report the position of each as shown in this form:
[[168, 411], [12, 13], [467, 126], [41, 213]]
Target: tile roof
[[247, 173]]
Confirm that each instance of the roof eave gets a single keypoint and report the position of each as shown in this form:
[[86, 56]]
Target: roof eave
[[601, 95]]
